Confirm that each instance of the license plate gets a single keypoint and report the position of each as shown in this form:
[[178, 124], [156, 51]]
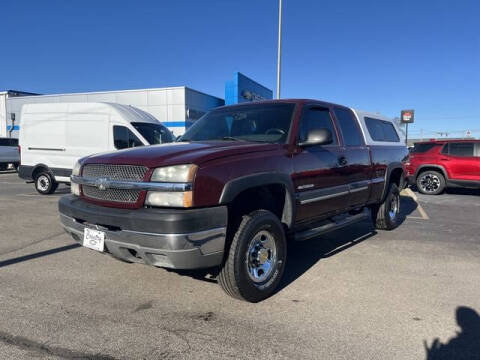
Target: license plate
[[94, 239]]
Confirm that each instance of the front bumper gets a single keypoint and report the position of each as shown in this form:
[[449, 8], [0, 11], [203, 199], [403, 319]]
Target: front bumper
[[172, 238]]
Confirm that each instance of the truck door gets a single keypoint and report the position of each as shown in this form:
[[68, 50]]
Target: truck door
[[319, 180], [356, 162]]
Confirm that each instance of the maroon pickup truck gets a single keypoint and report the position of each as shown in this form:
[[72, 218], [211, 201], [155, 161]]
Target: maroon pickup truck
[[241, 182]]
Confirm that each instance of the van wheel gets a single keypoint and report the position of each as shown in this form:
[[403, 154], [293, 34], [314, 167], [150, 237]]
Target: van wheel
[[430, 182], [385, 215], [45, 183], [256, 260]]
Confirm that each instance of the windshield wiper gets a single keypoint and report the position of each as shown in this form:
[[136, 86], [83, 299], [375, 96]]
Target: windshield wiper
[[232, 138]]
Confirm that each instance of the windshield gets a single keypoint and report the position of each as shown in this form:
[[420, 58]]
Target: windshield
[[261, 123], [154, 133]]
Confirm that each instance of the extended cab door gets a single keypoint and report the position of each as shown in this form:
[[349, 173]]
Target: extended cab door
[[319, 180], [356, 162]]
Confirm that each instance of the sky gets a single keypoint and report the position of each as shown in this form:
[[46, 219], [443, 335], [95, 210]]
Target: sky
[[376, 55]]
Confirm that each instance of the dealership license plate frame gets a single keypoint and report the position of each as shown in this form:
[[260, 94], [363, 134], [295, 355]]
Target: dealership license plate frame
[[94, 239]]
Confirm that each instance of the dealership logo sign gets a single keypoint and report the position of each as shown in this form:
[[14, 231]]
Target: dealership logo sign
[[251, 96], [407, 116]]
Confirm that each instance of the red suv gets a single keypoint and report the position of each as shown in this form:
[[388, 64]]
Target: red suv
[[437, 164]]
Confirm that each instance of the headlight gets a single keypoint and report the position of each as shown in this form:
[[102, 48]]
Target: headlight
[[177, 173], [75, 188], [170, 198], [76, 169], [172, 174]]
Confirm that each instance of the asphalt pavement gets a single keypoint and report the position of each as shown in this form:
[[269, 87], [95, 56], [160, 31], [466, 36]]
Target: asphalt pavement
[[356, 293]]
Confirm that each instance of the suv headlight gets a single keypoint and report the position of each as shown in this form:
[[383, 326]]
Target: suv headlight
[[75, 188], [172, 174]]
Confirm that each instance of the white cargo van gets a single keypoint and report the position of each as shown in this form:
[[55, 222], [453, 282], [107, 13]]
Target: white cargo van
[[54, 136]]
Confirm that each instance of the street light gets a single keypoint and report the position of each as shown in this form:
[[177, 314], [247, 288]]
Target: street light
[[279, 51]]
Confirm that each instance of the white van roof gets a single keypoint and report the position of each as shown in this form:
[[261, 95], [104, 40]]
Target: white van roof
[[126, 112]]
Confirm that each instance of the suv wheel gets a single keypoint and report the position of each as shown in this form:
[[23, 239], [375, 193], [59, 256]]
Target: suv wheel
[[45, 183], [430, 182], [256, 260], [386, 215]]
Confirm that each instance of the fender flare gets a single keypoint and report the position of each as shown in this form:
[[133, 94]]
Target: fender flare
[[236, 186], [436, 166], [388, 172]]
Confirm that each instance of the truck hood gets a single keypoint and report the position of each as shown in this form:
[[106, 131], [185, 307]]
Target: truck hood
[[179, 153]]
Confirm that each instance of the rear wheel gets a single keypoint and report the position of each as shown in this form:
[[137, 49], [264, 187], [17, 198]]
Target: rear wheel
[[45, 183], [256, 260], [430, 182], [386, 215]]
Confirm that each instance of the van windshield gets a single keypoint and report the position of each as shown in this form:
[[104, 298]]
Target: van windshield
[[154, 133]]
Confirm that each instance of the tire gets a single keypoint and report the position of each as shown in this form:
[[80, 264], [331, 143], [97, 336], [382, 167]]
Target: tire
[[45, 183], [259, 241], [386, 215], [430, 182]]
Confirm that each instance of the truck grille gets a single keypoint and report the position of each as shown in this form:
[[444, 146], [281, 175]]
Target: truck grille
[[113, 172]]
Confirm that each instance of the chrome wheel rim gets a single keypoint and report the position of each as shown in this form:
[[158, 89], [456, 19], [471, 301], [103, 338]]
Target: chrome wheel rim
[[394, 207], [43, 182], [261, 256], [430, 183]]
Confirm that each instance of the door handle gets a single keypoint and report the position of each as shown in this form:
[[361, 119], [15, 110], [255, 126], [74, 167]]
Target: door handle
[[444, 159], [342, 161]]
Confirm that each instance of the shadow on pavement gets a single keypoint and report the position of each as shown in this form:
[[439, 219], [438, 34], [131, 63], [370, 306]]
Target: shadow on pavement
[[303, 255], [37, 255], [407, 206], [465, 345]]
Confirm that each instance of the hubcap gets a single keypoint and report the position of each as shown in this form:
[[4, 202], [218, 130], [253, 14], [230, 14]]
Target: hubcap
[[261, 256], [394, 207], [429, 183], [43, 183]]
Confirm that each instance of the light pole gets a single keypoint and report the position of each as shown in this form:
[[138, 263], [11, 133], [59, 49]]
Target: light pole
[[279, 50]]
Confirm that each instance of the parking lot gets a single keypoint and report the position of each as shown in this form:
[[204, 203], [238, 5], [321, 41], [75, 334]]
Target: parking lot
[[355, 293]]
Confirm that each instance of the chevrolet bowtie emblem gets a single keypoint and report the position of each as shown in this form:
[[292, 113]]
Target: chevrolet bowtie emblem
[[102, 183]]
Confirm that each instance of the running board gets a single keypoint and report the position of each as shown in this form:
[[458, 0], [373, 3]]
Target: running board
[[332, 225]]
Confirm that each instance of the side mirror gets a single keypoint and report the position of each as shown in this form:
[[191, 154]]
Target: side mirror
[[321, 136]]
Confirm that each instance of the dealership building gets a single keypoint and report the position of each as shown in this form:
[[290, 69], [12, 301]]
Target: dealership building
[[176, 107]]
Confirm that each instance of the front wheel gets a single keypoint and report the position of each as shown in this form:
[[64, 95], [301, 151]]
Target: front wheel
[[256, 260], [45, 183]]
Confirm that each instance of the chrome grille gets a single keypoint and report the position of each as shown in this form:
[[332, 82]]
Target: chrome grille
[[115, 195], [113, 172]]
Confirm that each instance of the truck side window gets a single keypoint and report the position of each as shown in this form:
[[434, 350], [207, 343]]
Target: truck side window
[[348, 125], [381, 130], [123, 138], [316, 118]]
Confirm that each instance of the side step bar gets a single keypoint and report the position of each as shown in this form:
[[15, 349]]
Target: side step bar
[[332, 225]]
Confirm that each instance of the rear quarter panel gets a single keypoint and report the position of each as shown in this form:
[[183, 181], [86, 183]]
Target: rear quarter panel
[[384, 158]]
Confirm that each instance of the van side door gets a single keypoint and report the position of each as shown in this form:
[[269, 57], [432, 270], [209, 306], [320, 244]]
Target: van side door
[[319, 180], [356, 161]]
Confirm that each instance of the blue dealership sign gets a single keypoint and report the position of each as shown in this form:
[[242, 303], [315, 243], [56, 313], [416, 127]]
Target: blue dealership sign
[[243, 89]]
